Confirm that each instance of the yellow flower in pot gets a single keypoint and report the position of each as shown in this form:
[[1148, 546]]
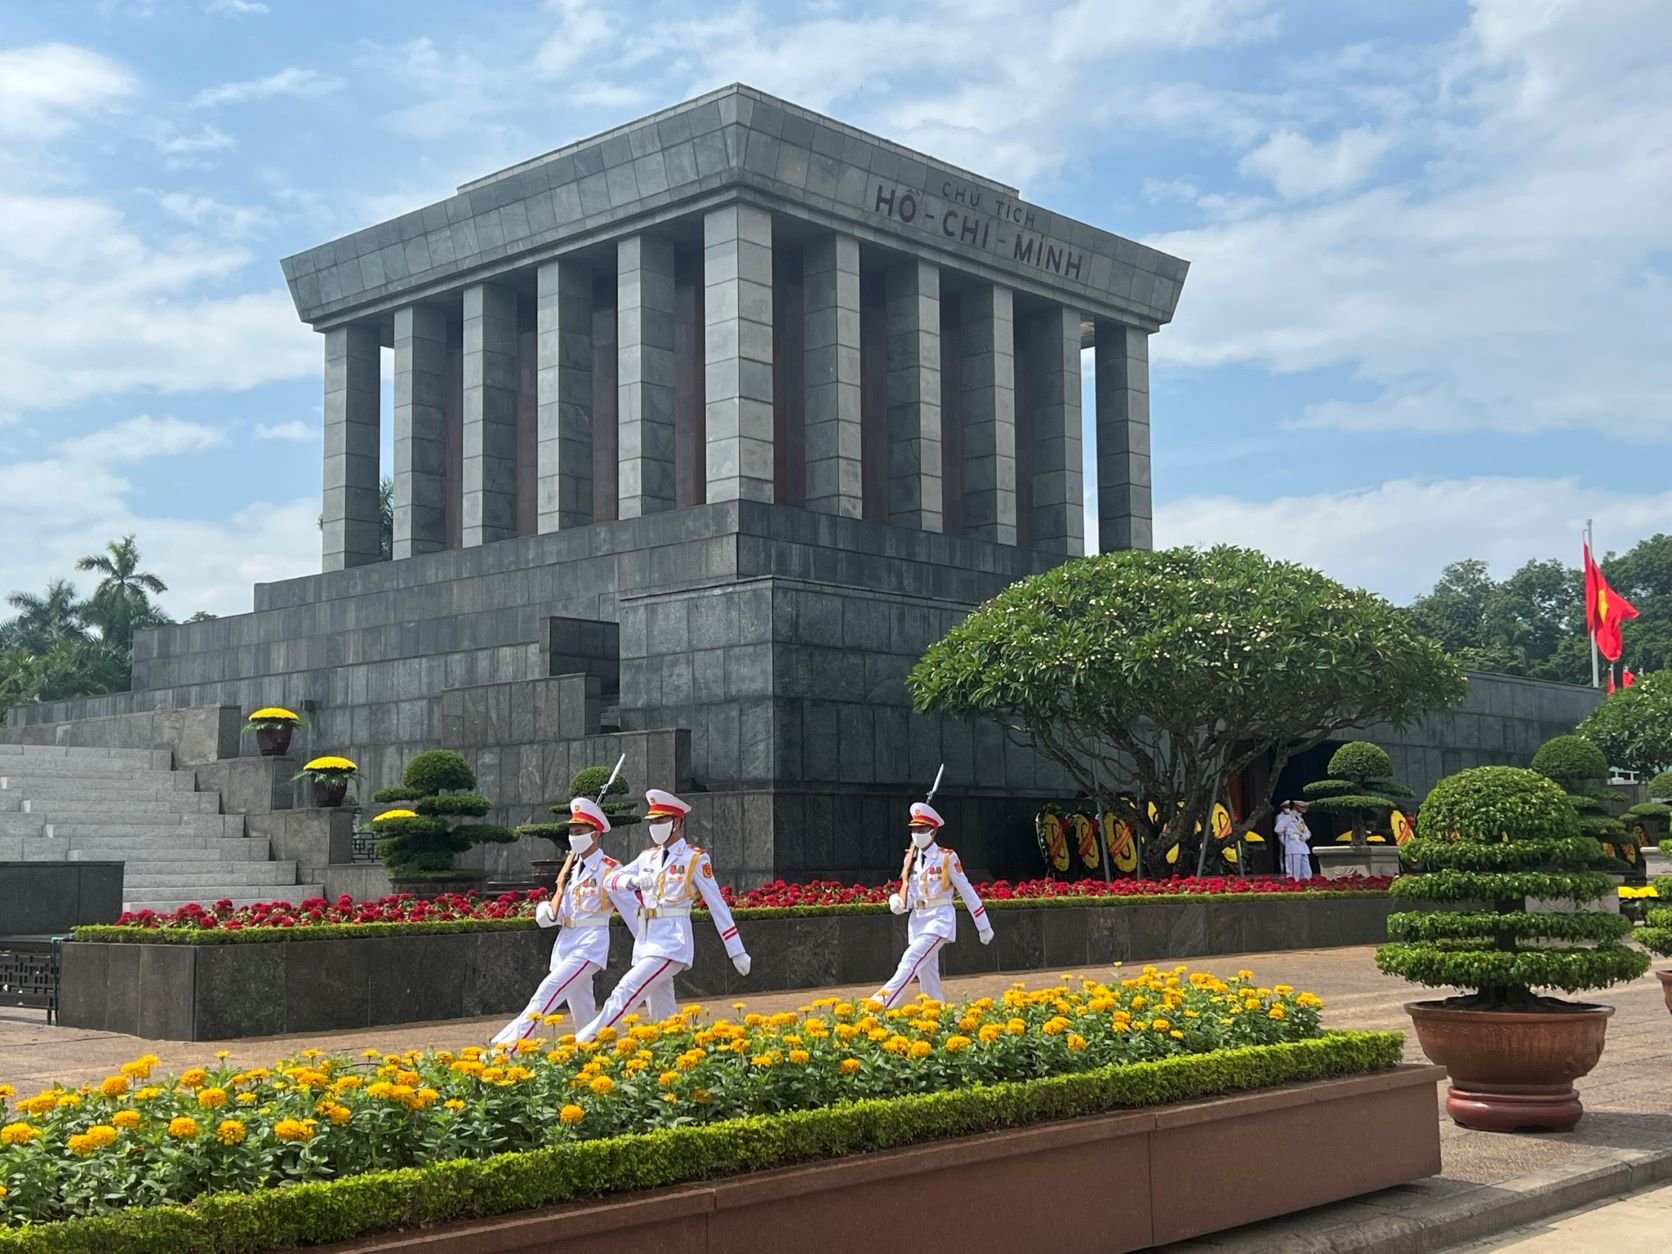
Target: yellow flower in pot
[[331, 776], [273, 726]]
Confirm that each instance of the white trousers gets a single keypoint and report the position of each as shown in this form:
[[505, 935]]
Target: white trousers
[[1297, 860], [650, 981], [570, 980], [921, 962]]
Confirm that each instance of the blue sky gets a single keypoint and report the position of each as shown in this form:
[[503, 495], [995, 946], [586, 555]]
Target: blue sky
[[1431, 252]]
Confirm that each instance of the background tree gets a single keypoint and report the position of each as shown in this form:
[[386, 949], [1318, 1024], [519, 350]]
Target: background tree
[[1360, 787], [121, 604], [1633, 726], [1169, 673], [44, 620]]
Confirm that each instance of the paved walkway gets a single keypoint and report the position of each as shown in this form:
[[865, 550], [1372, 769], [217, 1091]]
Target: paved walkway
[[1628, 1100], [1639, 1224]]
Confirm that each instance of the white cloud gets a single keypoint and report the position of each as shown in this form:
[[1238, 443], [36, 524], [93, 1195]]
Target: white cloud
[[295, 429], [1299, 168], [181, 151], [235, 8], [1395, 538], [90, 309], [216, 217], [44, 89], [138, 438], [295, 81], [583, 28]]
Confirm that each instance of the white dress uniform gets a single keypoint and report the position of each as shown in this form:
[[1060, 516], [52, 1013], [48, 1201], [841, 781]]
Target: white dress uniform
[[582, 948], [935, 874], [668, 880], [1291, 829]]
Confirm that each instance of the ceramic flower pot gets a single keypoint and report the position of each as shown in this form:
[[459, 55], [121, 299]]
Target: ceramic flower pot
[[1512, 1071], [274, 741], [1665, 978], [328, 793]]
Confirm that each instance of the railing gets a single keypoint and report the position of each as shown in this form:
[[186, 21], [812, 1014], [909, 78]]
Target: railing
[[29, 972]]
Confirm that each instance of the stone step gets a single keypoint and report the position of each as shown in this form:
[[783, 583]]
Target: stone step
[[182, 866], [109, 827], [71, 786], [176, 803], [197, 875], [292, 893], [19, 824], [52, 768], [147, 849], [79, 753]]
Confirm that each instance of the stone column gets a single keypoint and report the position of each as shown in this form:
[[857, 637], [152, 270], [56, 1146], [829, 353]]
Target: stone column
[[420, 430], [490, 414], [563, 347], [1124, 517], [645, 383], [989, 397], [830, 276], [1058, 489], [914, 417], [351, 532], [737, 352]]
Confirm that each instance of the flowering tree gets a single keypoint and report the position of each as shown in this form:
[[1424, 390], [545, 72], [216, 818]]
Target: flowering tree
[[1171, 672], [1633, 727]]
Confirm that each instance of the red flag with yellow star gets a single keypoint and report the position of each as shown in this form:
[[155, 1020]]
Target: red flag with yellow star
[[1605, 610]]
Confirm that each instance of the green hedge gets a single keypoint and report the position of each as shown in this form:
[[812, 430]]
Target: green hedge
[[357, 1206], [111, 933]]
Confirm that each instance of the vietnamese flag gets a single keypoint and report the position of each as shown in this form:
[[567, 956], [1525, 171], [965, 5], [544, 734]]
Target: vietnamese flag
[[1605, 610], [1627, 677]]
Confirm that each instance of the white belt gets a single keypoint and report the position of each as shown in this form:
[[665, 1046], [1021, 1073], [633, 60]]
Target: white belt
[[589, 920], [933, 903], [666, 912]]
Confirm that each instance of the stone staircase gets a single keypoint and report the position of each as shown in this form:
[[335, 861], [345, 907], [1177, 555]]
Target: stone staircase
[[60, 803]]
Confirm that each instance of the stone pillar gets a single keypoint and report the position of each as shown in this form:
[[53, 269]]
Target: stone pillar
[[351, 534], [490, 414], [645, 383], [989, 398], [1124, 517], [914, 417], [420, 430], [563, 347], [737, 352], [1058, 489], [830, 295]]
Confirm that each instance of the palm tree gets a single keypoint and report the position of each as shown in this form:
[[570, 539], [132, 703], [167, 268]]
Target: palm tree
[[122, 601], [44, 620]]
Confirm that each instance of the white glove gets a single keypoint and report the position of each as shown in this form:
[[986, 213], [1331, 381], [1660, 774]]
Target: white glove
[[987, 937], [645, 880], [742, 963], [895, 904]]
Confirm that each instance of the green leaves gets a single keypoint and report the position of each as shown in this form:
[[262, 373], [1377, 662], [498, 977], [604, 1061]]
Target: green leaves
[[1633, 726]]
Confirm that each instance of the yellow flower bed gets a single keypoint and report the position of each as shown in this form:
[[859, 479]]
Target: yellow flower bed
[[133, 1139], [1640, 892]]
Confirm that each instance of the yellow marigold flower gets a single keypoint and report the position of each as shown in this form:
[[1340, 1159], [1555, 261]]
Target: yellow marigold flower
[[212, 1099], [3, 1191], [879, 1034], [848, 1066], [330, 762], [1276, 1012], [920, 1049], [230, 1132], [452, 1103], [763, 1061], [82, 1144], [140, 1068], [1076, 1041], [601, 1084], [337, 1114], [605, 1036], [989, 1033], [127, 1119], [1161, 1025], [40, 1104], [293, 1129], [113, 1085], [71, 1100], [248, 1099], [799, 1057], [7, 1092], [1176, 1034], [182, 1127], [955, 1044], [1310, 1001], [1055, 1026], [193, 1078], [1016, 1027], [273, 714], [635, 1065], [571, 1114]]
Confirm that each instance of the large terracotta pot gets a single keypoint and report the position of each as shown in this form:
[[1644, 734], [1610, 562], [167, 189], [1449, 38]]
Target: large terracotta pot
[[1665, 978], [1512, 1070], [274, 741], [328, 792]]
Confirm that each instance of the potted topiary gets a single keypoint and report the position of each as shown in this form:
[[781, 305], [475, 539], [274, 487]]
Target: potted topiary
[[331, 777], [618, 807], [1499, 835], [273, 727], [1649, 820], [1657, 936], [1362, 792], [1581, 770], [420, 841]]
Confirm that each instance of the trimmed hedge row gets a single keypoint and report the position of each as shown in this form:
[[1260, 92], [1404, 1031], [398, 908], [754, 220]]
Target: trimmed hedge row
[[114, 934], [356, 1206]]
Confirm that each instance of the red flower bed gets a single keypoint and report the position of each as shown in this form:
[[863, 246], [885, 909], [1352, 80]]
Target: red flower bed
[[777, 895]]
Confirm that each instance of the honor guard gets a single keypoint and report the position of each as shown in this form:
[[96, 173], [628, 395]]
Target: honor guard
[[669, 878], [581, 907], [930, 876]]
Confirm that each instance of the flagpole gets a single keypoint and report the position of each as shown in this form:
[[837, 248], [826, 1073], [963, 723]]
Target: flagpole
[[1590, 627]]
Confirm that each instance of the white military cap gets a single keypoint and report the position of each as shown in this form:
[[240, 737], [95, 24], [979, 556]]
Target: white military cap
[[924, 815], [585, 810], [664, 805]]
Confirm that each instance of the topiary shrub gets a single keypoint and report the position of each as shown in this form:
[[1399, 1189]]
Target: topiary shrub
[[620, 809], [1656, 937], [1581, 770], [1501, 834], [1360, 788], [1660, 787], [422, 840]]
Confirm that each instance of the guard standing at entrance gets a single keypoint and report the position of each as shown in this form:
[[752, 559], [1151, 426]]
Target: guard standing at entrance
[[930, 875]]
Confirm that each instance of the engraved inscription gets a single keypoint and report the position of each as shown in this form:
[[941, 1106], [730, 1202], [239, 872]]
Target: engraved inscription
[[977, 219]]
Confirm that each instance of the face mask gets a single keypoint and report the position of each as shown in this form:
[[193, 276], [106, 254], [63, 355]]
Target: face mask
[[580, 842], [659, 832], [921, 838]]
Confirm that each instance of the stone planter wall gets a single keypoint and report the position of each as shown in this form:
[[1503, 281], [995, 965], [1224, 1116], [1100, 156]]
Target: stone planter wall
[[215, 992], [47, 898], [1111, 1183]]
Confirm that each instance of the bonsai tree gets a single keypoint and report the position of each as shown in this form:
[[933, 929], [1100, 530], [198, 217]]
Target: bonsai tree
[[618, 807], [1499, 835], [1360, 788], [1650, 819], [1165, 674], [1657, 936], [1579, 768], [437, 792], [1633, 726]]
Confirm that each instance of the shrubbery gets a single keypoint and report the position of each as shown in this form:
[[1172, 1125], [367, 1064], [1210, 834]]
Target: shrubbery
[[438, 789]]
